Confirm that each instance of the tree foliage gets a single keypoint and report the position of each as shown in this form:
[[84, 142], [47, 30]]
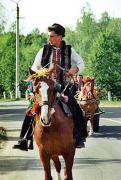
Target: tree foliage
[[98, 43], [7, 61], [105, 57]]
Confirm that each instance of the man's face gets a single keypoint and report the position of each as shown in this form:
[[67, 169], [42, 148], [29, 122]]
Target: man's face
[[54, 39], [79, 78], [75, 78]]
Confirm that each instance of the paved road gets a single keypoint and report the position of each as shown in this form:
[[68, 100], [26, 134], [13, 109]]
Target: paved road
[[100, 160]]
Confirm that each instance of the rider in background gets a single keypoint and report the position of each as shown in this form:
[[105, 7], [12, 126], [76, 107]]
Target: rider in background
[[56, 51], [77, 83], [80, 81]]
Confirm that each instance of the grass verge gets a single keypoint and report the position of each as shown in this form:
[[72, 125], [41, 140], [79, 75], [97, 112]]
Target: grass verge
[[110, 103]]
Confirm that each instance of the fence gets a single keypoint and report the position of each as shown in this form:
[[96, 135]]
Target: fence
[[11, 96]]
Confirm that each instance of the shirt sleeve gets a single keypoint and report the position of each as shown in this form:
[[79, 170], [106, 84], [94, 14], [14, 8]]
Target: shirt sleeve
[[37, 62], [76, 61]]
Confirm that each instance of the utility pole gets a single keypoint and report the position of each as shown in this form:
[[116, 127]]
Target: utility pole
[[17, 88]]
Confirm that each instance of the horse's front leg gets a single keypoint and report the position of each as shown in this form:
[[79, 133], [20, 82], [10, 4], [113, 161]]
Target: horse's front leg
[[57, 165], [69, 159], [45, 159]]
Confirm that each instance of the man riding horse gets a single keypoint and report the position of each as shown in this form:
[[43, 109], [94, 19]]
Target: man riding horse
[[67, 63]]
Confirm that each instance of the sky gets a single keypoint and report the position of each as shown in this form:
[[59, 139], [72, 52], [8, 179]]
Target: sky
[[43, 13]]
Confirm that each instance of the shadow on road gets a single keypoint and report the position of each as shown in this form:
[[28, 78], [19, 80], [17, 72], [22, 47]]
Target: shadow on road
[[12, 111], [17, 163], [10, 138], [82, 162], [13, 105], [109, 132]]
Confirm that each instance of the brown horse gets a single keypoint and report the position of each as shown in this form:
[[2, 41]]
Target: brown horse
[[88, 100], [53, 130]]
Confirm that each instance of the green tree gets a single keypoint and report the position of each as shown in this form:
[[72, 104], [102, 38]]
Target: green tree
[[7, 61], [106, 58], [30, 45], [84, 35]]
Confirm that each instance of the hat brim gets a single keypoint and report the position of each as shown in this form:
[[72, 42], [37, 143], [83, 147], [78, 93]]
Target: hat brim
[[51, 28]]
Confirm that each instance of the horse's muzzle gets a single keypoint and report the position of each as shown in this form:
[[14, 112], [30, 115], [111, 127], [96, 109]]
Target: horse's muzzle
[[44, 123]]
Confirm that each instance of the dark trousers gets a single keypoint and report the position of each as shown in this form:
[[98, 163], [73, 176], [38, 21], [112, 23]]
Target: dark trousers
[[80, 127], [27, 128]]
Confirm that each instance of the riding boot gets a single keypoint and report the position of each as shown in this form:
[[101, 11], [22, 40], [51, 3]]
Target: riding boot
[[25, 126], [79, 141], [22, 144], [80, 128], [25, 135]]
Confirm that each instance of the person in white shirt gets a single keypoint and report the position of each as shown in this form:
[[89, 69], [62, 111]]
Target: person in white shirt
[[68, 63], [77, 64]]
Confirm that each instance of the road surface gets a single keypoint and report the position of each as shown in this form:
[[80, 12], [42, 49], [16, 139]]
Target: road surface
[[100, 160]]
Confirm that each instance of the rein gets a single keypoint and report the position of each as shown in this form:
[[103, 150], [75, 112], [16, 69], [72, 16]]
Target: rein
[[55, 63], [59, 97]]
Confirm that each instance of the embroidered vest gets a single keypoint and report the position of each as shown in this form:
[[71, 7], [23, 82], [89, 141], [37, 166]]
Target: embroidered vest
[[65, 58]]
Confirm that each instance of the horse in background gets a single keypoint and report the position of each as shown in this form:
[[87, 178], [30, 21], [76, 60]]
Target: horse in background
[[88, 100], [53, 129]]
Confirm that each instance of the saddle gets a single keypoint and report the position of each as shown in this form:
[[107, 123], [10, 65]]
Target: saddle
[[64, 108]]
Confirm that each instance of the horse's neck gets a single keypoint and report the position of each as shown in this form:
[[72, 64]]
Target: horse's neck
[[58, 112], [61, 113]]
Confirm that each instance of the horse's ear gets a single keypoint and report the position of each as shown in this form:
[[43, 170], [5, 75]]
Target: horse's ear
[[31, 78], [31, 71]]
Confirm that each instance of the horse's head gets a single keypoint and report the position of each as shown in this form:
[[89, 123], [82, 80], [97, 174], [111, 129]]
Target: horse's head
[[43, 87], [88, 89], [45, 91]]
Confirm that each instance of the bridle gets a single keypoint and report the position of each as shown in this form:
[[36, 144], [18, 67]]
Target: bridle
[[88, 96], [47, 106], [48, 103]]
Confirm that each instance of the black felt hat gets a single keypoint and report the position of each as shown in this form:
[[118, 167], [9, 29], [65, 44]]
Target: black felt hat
[[60, 30]]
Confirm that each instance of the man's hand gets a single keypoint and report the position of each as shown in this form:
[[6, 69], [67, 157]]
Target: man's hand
[[72, 71]]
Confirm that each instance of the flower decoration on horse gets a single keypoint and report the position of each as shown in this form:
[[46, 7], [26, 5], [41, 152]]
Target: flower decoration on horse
[[42, 73]]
